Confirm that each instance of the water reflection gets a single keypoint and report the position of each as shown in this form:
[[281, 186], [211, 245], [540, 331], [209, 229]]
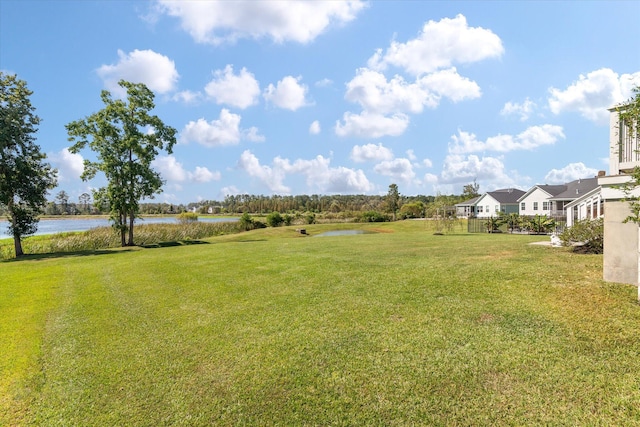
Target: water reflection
[[51, 226]]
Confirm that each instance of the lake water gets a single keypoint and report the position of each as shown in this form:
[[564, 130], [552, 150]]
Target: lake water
[[51, 226]]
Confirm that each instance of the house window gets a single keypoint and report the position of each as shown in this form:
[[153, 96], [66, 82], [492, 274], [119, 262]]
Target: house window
[[497, 208], [488, 209], [546, 206], [479, 209], [535, 206], [522, 206]]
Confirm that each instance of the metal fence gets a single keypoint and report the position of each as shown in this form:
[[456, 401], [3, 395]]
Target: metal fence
[[482, 225]]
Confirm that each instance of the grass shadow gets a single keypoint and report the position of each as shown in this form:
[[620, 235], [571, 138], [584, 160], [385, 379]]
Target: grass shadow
[[174, 243], [53, 255]]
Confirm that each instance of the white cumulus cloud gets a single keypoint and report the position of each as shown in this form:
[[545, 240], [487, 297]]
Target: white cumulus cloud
[[320, 176], [187, 97], [530, 139], [458, 168], [429, 59], [372, 125], [314, 128], [569, 173], [240, 90], [70, 166], [324, 178], [220, 21], [174, 172], [400, 169], [376, 94], [440, 45], [288, 93], [202, 174], [156, 71], [370, 152], [592, 94], [523, 110], [273, 178], [223, 131]]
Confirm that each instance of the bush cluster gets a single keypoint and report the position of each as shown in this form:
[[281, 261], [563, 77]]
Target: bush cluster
[[274, 219], [187, 217], [373, 216], [585, 236]]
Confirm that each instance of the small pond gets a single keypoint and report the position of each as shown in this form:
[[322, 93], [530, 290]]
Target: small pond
[[343, 233]]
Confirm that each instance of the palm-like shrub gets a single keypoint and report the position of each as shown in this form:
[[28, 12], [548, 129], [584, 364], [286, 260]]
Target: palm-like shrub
[[540, 224], [492, 224], [513, 221]]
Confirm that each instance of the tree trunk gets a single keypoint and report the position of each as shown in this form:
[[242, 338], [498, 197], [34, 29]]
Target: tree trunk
[[123, 228], [17, 243], [131, 219]]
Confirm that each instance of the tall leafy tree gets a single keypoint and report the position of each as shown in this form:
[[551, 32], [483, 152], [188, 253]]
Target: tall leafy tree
[[63, 201], [470, 191], [85, 199], [25, 176], [393, 200], [126, 138]]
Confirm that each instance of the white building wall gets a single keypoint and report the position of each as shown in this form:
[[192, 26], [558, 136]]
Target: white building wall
[[536, 196], [590, 207], [614, 162], [490, 207]]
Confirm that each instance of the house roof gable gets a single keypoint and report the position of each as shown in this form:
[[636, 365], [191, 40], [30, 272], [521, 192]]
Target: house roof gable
[[582, 197], [576, 189], [550, 190], [506, 195], [470, 202]]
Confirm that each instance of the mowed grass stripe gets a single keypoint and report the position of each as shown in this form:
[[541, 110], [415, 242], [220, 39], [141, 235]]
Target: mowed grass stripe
[[391, 328]]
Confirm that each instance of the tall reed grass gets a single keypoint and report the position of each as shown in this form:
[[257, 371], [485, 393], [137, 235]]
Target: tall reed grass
[[107, 237]]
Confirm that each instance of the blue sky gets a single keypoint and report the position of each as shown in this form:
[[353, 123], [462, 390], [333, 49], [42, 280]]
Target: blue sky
[[337, 97]]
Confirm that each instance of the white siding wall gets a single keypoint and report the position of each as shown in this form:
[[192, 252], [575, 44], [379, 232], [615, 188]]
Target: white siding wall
[[487, 201], [589, 208], [538, 196]]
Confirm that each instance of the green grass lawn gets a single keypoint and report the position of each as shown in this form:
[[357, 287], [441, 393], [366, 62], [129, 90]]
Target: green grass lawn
[[271, 327]]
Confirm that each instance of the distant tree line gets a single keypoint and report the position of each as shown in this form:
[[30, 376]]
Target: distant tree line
[[418, 206]]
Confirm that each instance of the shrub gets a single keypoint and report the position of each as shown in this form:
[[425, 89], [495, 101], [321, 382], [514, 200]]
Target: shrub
[[246, 222], [373, 216], [287, 219], [187, 217], [259, 224], [274, 219], [492, 224], [310, 218], [412, 210], [540, 224], [587, 234]]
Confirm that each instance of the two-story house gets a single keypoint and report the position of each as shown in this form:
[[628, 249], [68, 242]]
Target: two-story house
[[621, 239], [553, 200], [537, 201]]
